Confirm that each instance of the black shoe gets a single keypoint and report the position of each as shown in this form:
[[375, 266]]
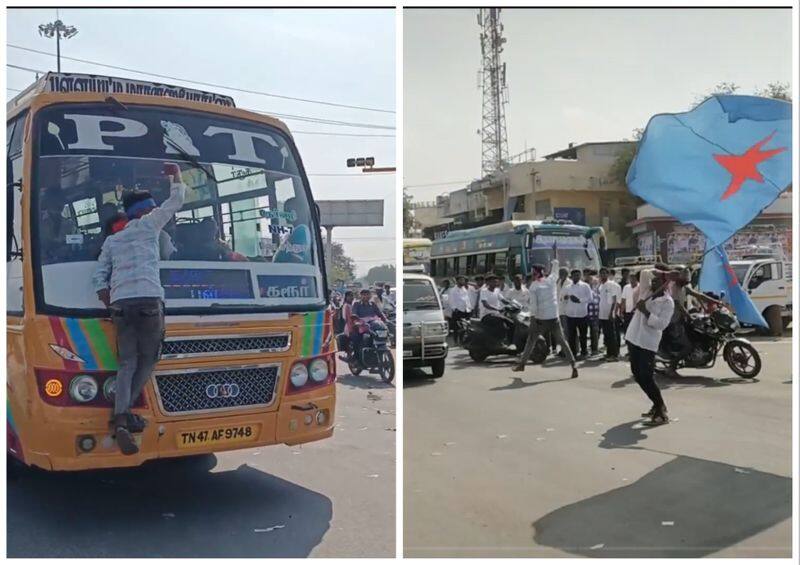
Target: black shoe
[[649, 413], [136, 424], [574, 372]]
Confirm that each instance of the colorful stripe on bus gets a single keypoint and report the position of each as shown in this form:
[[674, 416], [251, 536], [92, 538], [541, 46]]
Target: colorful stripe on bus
[[88, 339]]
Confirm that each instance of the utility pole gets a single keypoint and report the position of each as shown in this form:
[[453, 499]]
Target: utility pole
[[494, 139], [57, 29]]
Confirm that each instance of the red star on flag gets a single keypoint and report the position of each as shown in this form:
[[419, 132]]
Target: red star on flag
[[744, 167]]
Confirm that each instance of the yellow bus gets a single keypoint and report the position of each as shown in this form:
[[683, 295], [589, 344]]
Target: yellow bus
[[417, 254], [247, 358]]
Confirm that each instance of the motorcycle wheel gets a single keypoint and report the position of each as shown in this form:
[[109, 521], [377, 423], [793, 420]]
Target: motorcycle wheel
[[478, 355], [355, 367], [742, 358], [387, 367]]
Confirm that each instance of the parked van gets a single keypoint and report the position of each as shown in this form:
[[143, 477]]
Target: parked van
[[424, 326]]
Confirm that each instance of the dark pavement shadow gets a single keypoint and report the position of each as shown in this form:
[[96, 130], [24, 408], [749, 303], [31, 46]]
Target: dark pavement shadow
[[711, 506], [362, 381], [685, 381], [168, 508], [416, 377], [517, 383], [624, 436]]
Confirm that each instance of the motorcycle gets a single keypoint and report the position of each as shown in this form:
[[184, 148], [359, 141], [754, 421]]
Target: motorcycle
[[373, 354], [482, 340], [710, 334]]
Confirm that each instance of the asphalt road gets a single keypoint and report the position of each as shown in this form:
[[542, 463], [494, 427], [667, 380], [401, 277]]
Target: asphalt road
[[332, 498], [537, 464]]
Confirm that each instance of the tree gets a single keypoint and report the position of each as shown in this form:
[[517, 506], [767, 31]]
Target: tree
[[408, 216], [383, 273], [723, 87], [779, 90], [340, 267]]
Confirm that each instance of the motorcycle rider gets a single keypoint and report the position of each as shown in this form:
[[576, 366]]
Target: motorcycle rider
[[362, 310], [491, 306], [458, 302], [544, 314]]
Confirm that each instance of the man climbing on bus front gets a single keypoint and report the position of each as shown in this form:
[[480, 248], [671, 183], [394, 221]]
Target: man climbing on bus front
[[127, 281]]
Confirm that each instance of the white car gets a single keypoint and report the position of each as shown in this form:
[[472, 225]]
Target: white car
[[424, 327]]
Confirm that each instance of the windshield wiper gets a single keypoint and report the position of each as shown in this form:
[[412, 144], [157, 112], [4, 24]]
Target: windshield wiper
[[191, 158]]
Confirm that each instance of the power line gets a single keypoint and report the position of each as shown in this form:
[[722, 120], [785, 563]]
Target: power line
[[312, 119], [343, 134], [281, 96]]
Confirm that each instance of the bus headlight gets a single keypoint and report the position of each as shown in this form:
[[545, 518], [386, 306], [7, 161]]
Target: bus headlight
[[298, 375], [110, 388], [318, 370], [83, 388]]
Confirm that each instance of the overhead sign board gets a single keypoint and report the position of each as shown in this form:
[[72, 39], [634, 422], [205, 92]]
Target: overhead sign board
[[75, 82], [343, 213]]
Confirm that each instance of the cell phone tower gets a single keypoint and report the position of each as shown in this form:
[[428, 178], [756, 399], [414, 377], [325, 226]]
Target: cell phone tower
[[492, 78]]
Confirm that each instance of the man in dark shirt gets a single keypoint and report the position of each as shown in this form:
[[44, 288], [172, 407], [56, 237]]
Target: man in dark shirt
[[363, 309]]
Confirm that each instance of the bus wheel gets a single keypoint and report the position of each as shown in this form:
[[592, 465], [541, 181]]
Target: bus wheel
[[773, 317]]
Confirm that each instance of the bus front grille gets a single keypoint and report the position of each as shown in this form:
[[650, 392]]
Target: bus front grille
[[208, 390], [181, 347]]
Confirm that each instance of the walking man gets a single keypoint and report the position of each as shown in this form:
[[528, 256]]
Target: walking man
[[127, 281], [577, 297], [544, 315], [459, 303]]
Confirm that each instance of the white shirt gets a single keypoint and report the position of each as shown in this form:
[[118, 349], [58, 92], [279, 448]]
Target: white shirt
[[583, 292], [562, 288], [645, 332], [609, 291], [544, 295], [459, 299], [523, 296], [128, 262], [627, 296], [492, 298]]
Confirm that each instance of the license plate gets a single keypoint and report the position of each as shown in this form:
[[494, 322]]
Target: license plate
[[407, 353], [218, 436]]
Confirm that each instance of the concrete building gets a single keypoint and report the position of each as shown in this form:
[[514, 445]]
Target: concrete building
[[658, 233], [571, 184]]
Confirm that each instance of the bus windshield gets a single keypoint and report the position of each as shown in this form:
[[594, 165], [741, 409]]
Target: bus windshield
[[245, 238], [573, 252]]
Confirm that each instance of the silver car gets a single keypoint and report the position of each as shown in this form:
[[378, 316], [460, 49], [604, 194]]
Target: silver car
[[424, 327]]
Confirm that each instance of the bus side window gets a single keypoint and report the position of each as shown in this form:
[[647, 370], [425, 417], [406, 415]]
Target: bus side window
[[14, 132], [500, 264], [490, 263], [513, 264], [433, 267], [449, 272], [480, 264], [470, 265], [456, 266]]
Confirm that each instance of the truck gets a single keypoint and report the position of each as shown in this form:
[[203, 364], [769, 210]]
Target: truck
[[767, 278]]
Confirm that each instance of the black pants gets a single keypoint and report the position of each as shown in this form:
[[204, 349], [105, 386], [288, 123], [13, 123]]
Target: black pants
[[642, 367], [610, 337], [627, 321], [594, 334], [574, 326], [455, 316]]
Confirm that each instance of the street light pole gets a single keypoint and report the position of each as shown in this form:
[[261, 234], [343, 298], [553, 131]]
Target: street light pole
[[57, 29]]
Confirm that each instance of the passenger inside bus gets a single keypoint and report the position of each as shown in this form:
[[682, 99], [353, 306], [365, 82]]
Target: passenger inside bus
[[296, 246], [54, 226]]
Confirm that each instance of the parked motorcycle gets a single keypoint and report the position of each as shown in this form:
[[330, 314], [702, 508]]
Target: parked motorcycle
[[710, 334], [373, 354], [482, 339]]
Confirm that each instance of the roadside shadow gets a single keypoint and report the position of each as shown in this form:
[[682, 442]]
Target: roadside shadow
[[362, 381], [517, 383], [683, 381], [624, 436], [167, 508], [686, 508]]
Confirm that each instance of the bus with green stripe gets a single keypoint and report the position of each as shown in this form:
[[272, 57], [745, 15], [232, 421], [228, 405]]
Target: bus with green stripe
[[247, 358], [510, 248]]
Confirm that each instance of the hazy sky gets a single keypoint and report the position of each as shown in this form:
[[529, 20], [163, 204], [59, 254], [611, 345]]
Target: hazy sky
[[344, 56], [574, 75]]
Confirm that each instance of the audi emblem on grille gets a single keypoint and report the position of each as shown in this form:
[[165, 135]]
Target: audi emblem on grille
[[224, 390]]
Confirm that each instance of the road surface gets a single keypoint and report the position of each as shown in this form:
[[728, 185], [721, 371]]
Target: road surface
[[332, 498], [537, 464]]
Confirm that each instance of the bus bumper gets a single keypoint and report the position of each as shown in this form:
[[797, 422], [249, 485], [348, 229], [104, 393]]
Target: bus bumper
[[295, 422]]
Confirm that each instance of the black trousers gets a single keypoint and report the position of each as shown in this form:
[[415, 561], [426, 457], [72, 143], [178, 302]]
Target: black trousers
[[594, 334], [610, 337], [642, 367], [455, 316], [575, 326]]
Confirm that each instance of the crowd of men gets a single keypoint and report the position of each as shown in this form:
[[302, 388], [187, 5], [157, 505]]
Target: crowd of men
[[572, 308], [376, 302]]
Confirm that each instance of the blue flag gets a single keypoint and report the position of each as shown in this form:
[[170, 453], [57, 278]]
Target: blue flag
[[718, 276], [717, 166]]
